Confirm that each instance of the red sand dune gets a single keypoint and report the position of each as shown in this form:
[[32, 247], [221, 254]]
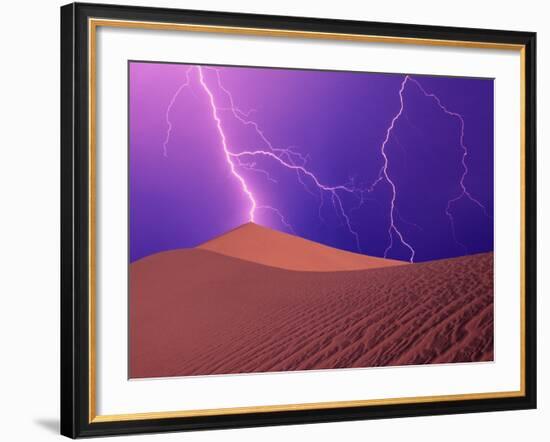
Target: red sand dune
[[197, 312], [261, 245]]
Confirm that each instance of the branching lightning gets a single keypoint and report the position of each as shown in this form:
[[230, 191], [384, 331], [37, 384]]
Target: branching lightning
[[228, 155], [384, 176], [464, 192], [285, 157], [393, 227], [292, 160], [332, 190], [169, 108]]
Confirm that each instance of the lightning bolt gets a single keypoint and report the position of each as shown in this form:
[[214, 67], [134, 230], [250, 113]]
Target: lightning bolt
[[285, 157], [290, 159], [393, 229], [169, 109], [463, 193], [291, 155], [227, 153], [332, 190], [280, 215]]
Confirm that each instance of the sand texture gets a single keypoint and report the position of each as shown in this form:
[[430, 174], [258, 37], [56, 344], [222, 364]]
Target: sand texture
[[200, 312]]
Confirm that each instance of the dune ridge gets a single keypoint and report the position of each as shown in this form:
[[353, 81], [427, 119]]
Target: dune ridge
[[262, 245]]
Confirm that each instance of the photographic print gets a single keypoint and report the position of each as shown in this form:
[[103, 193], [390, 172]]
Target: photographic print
[[272, 220], [287, 219]]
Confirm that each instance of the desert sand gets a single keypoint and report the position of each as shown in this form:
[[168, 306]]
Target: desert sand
[[262, 245], [200, 312]]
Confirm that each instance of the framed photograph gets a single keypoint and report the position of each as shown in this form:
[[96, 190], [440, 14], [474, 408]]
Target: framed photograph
[[279, 220]]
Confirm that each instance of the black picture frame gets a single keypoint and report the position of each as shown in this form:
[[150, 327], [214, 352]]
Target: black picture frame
[[75, 221]]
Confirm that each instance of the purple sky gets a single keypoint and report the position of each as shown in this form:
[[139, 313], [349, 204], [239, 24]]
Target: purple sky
[[334, 185]]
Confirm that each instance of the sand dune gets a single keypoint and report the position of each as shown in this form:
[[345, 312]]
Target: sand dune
[[197, 312], [262, 245]]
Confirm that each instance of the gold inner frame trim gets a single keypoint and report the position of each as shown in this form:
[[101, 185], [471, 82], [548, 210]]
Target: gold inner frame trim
[[93, 24]]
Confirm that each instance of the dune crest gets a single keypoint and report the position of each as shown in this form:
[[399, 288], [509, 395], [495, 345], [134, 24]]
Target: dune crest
[[254, 243]]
